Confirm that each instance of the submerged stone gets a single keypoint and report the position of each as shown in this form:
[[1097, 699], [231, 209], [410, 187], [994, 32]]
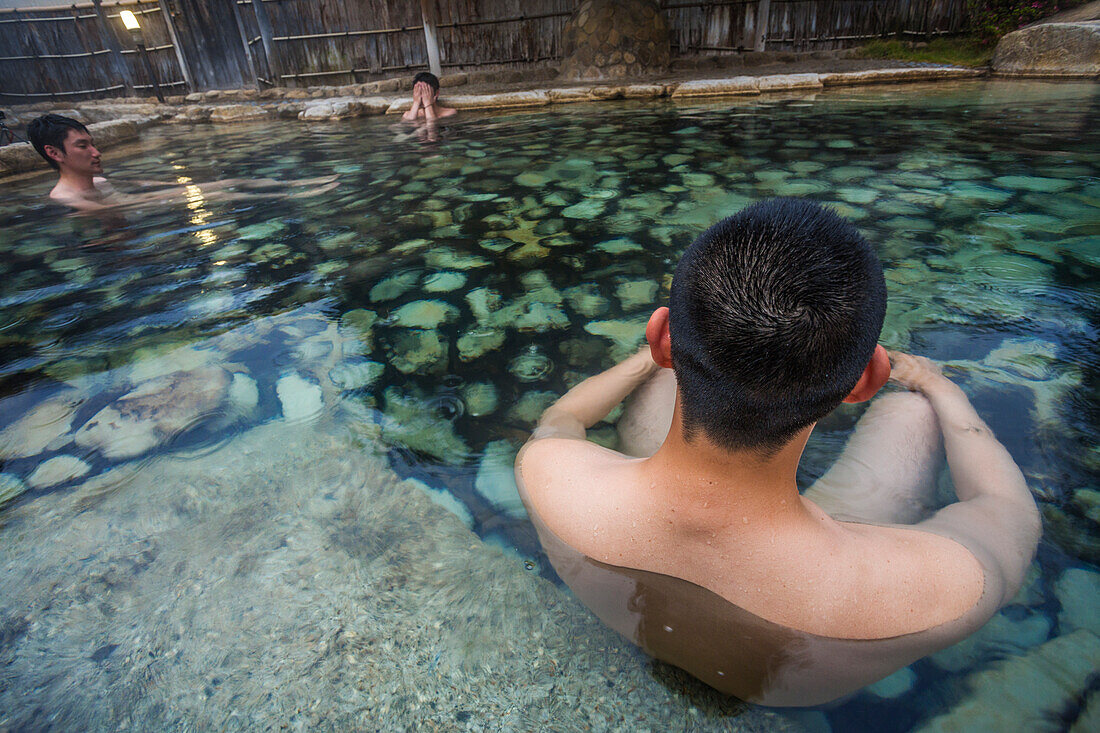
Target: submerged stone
[[857, 195], [394, 286], [636, 293], [619, 246], [58, 470], [496, 479], [587, 209], [480, 398], [425, 314], [44, 425], [264, 230], [445, 499], [625, 334], [356, 375], [1034, 183], [478, 342], [301, 399], [586, 300], [1078, 592], [444, 282], [11, 487], [244, 394], [410, 422], [531, 365], [447, 259], [422, 352], [529, 408], [154, 411]]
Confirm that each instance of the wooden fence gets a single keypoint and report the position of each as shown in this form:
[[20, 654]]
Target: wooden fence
[[82, 50]]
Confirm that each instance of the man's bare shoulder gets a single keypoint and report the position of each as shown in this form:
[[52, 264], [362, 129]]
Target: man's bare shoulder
[[556, 476]]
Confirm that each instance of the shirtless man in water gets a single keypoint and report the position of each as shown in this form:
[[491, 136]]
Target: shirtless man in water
[[426, 104], [702, 549], [68, 147]]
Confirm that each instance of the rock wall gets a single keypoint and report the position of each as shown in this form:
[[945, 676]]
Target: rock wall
[[1053, 49], [612, 39]]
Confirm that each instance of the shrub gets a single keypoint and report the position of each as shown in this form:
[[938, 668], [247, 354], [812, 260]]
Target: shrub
[[991, 19]]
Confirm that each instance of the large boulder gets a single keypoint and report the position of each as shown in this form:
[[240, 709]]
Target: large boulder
[[1052, 49]]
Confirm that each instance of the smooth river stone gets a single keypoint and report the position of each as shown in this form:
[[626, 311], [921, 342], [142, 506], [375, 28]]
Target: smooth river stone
[[480, 398], [478, 342], [393, 286], [422, 352], [1033, 183], [10, 487], [532, 179], [43, 425], [847, 173], [264, 230], [444, 258], [410, 422], [244, 394], [300, 398], [496, 478], [539, 317], [531, 365], [698, 180], [625, 334], [798, 188], [154, 411], [968, 191], [356, 374], [529, 408], [586, 300], [58, 470], [1078, 592], [857, 195], [587, 209], [445, 282], [425, 314], [636, 293], [619, 246], [963, 173]]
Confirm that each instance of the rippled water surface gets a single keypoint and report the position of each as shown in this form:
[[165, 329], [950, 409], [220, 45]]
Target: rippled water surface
[[451, 286]]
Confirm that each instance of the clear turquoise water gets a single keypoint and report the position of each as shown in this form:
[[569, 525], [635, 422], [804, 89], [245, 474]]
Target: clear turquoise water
[[447, 290]]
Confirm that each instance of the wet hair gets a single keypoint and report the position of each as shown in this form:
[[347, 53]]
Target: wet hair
[[774, 314], [52, 130], [428, 78]]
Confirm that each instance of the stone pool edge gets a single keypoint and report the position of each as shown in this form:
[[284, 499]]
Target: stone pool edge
[[129, 119]]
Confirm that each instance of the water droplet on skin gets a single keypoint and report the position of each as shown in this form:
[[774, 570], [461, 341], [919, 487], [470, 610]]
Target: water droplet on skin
[[744, 520], [668, 629], [528, 565], [721, 673]]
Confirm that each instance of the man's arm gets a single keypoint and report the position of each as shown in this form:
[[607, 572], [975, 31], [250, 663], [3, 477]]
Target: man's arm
[[995, 512], [418, 101], [590, 401]]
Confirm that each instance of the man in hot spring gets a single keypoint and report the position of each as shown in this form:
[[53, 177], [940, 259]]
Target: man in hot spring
[[69, 149], [697, 545]]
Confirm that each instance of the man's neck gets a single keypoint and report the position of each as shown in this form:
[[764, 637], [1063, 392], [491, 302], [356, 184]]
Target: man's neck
[[713, 482], [73, 181]]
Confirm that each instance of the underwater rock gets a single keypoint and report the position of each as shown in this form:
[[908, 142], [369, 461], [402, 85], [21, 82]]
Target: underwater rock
[[393, 286], [969, 191], [625, 334], [1033, 183], [483, 302], [532, 179], [895, 685], [478, 342], [480, 398], [425, 314], [1030, 359], [636, 293], [299, 397], [244, 394], [846, 173], [57, 470], [42, 426], [10, 487], [586, 299], [265, 230], [531, 365], [445, 499], [444, 282], [154, 411], [496, 479], [444, 258], [539, 317], [422, 352], [356, 375], [586, 209], [530, 407], [998, 635], [155, 362], [1026, 692], [857, 195], [408, 421], [360, 321], [1078, 591]]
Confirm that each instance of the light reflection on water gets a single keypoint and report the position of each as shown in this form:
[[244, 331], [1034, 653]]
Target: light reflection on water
[[541, 241]]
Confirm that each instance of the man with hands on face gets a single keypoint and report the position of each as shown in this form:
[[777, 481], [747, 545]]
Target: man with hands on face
[[425, 104]]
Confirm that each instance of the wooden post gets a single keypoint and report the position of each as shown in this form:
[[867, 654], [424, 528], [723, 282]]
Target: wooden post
[[267, 33], [431, 38], [176, 46], [244, 44], [756, 29], [111, 40]]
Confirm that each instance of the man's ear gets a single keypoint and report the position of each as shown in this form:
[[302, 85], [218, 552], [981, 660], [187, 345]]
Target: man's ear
[[874, 376], [55, 154], [660, 343]]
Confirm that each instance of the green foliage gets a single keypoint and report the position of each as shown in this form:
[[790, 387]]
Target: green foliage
[[991, 19], [958, 51]]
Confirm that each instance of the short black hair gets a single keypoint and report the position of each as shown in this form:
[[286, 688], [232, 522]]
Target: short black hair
[[774, 314], [52, 130], [428, 78]]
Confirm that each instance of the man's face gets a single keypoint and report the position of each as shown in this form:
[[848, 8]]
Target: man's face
[[77, 153]]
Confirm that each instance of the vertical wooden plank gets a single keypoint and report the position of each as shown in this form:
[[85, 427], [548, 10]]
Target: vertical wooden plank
[[763, 14], [267, 33], [244, 43], [429, 13], [176, 46], [108, 34]]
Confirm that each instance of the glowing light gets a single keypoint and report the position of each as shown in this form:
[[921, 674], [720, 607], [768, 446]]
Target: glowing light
[[199, 216], [129, 20]]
